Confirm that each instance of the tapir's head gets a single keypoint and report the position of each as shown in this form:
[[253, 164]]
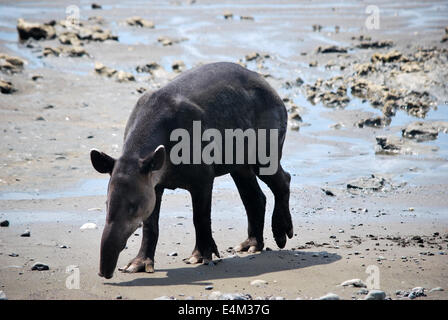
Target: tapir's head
[[131, 199]]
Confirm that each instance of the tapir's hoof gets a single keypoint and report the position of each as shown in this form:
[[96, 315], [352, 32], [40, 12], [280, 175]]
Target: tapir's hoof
[[138, 265], [250, 245], [194, 259]]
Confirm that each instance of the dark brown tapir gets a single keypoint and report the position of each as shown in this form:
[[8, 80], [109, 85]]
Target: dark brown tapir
[[218, 96]]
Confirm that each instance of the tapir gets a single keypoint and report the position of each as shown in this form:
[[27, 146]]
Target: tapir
[[221, 96]]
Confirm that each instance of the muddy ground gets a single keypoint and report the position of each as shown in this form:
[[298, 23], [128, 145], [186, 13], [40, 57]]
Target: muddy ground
[[367, 146]]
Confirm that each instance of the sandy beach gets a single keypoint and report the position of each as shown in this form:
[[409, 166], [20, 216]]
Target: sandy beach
[[368, 189]]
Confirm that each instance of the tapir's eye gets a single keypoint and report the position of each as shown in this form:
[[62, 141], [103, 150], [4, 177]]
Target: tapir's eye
[[133, 208]]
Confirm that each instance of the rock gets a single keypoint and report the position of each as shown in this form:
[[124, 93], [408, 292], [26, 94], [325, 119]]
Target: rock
[[69, 38], [436, 289], [371, 183], [417, 292], [3, 296], [88, 226], [10, 64], [317, 27], [75, 51], [165, 41], [258, 283], [375, 44], [376, 122], [331, 49], [27, 233], [6, 87], [149, 67], [39, 266], [14, 255], [363, 69], [103, 70], [51, 51], [357, 283], [362, 291], [328, 192], [247, 18], [391, 56], [330, 296], [313, 64], [172, 254], [392, 145], [424, 131], [252, 56], [140, 22], [208, 287], [410, 67], [228, 15], [36, 31], [96, 6], [122, 76], [375, 295], [178, 66], [4, 223]]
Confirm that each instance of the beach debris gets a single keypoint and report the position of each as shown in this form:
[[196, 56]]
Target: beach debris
[[370, 183], [34, 30], [392, 145]]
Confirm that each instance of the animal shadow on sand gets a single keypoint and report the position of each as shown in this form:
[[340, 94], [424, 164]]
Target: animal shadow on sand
[[246, 265]]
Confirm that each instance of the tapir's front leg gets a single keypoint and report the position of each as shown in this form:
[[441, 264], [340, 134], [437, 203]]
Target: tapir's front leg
[[144, 261], [201, 196]]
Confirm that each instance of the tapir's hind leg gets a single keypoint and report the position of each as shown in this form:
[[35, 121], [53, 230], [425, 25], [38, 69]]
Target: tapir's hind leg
[[254, 202], [201, 196], [144, 261], [281, 218]]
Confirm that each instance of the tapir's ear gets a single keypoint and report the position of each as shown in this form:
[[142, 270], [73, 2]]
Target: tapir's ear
[[101, 161], [154, 161]]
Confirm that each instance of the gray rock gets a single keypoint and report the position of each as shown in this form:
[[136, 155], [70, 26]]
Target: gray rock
[[39, 266], [330, 296], [436, 289], [417, 292], [375, 295], [358, 283]]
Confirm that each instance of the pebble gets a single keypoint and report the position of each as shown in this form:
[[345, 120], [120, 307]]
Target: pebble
[[208, 288], [4, 223], [27, 233], [376, 295], [330, 296], [39, 266], [88, 225], [13, 255], [172, 254], [258, 283]]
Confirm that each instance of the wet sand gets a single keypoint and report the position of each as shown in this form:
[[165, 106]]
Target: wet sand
[[48, 186]]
